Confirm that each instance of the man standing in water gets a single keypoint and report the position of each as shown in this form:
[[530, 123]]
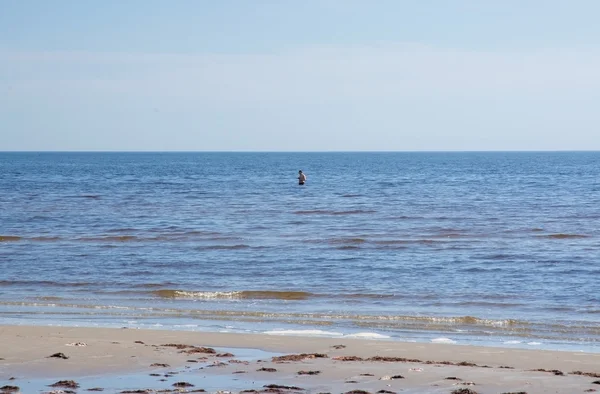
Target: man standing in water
[[301, 178]]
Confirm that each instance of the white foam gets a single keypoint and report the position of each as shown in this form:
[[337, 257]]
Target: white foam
[[512, 342], [443, 340], [321, 333], [534, 343], [368, 335], [305, 333]]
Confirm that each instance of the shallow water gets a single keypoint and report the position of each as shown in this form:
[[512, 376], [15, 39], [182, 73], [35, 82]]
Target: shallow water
[[470, 248]]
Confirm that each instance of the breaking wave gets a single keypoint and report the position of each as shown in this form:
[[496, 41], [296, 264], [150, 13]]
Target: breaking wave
[[234, 295]]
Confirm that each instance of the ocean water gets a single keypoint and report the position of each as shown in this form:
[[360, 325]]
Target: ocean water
[[499, 249]]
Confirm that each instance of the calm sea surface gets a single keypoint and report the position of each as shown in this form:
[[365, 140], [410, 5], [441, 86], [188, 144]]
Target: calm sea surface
[[475, 248]]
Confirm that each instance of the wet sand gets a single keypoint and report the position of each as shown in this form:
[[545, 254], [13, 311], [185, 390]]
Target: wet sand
[[121, 360]]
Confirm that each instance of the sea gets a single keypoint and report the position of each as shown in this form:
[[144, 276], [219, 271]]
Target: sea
[[468, 248]]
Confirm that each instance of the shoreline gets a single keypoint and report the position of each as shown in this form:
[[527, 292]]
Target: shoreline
[[111, 352]]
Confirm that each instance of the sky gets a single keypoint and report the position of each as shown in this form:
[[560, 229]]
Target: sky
[[289, 75]]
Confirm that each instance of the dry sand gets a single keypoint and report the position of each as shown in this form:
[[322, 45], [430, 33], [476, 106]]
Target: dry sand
[[121, 357]]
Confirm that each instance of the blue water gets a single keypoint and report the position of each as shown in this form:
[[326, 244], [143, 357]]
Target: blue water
[[495, 249]]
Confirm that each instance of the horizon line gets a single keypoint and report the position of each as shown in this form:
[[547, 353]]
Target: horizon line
[[307, 151]]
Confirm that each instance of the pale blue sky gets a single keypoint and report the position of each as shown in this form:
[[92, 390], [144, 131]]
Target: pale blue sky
[[299, 75]]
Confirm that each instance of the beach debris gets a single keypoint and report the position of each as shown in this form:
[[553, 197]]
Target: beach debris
[[161, 365], [351, 381], [586, 391], [79, 344], [249, 391], [70, 384], [155, 374], [309, 372], [452, 378], [386, 392], [463, 391], [58, 355], [298, 357], [9, 389], [239, 372], [217, 364], [182, 384], [394, 359], [590, 374], [519, 392], [554, 371], [506, 367], [366, 374], [348, 358], [338, 347], [596, 382], [196, 350], [12, 378], [234, 361], [440, 362], [140, 342], [466, 383], [278, 386], [266, 370], [61, 392], [225, 355], [357, 392], [192, 361], [96, 389], [177, 346], [466, 364], [140, 391], [394, 377]]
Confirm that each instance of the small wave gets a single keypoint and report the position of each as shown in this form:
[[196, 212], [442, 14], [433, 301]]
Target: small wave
[[13, 238], [45, 239], [348, 247], [314, 212], [367, 335], [563, 236], [450, 235], [110, 238], [319, 333], [354, 212], [42, 283], [248, 294], [49, 298], [336, 241], [334, 213], [443, 340], [392, 242], [351, 195], [226, 247], [10, 238]]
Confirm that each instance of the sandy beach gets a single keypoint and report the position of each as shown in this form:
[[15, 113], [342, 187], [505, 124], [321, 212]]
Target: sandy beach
[[32, 358]]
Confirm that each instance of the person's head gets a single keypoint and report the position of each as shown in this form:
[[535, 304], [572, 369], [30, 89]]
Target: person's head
[[300, 172]]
